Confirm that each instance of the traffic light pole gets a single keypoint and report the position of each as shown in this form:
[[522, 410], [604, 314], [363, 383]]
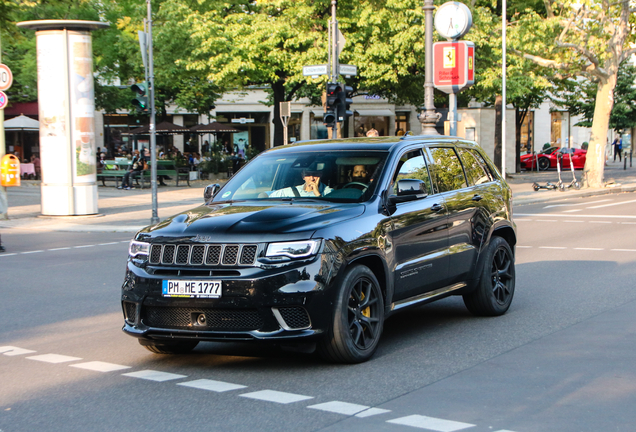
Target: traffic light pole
[[153, 132]]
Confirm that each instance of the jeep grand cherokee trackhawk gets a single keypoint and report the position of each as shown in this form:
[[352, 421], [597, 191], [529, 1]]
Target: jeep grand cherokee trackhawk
[[320, 242]]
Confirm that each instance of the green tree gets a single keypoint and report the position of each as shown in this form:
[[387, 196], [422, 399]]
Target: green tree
[[580, 100], [589, 38]]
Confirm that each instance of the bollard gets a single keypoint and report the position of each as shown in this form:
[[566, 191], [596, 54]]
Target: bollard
[[624, 160]]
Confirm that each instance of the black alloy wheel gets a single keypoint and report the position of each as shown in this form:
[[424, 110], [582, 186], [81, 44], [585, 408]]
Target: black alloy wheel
[[496, 287], [544, 163], [358, 318]]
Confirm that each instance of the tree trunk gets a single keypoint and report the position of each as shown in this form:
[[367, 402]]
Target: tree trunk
[[498, 110], [520, 116], [278, 89], [595, 162]]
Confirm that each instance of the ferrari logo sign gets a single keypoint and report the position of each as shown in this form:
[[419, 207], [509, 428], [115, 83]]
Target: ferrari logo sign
[[449, 57], [453, 65]]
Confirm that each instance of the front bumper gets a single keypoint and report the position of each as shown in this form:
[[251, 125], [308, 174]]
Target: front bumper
[[291, 302]]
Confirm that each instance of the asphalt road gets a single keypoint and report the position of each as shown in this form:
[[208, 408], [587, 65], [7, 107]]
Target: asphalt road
[[560, 360]]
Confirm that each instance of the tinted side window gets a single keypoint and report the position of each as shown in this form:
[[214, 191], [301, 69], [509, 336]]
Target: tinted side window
[[412, 166], [446, 169], [475, 172], [483, 163]]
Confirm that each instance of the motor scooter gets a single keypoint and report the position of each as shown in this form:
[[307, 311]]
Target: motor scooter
[[536, 186]]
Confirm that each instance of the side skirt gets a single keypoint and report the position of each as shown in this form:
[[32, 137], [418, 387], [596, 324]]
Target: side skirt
[[427, 297]]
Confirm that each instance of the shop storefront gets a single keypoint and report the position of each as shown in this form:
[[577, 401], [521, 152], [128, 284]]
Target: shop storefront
[[253, 135]]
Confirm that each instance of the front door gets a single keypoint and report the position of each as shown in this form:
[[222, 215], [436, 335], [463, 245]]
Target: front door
[[418, 234]]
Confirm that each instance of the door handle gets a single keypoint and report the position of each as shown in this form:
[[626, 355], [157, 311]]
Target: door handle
[[477, 197], [436, 207]]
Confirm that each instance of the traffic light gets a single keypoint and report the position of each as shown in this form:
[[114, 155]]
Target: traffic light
[[331, 115], [141, 100], [344, 103]]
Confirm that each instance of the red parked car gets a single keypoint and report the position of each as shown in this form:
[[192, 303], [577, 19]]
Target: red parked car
[[548, 158]]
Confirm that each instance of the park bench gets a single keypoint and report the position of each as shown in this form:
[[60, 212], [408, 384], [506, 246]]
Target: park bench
[[115, 170]]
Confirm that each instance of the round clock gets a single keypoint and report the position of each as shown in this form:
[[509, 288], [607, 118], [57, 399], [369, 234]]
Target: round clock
[[453, 20]]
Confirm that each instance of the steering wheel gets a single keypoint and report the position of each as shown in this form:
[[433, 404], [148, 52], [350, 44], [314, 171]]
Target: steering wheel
[[356, 185]]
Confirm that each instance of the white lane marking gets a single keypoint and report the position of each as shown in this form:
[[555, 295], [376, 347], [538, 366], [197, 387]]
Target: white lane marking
[[546, 220], [524, 247], [54, 358], [624, 250], [371, 412], [84, 246], [590, 249], [31, 252], [211, 385], [14, 351], [578, 204], [504, 430], [613, 204], [602, 222], [569, 221], [125, 241], [552, 247], [5, 255], [107, 244], [628, 223], [523, 220], [99, 366], [339, 407], [276, 396], [572, 211], [57, 249], [577, 215], [431, 423], [154, 375]]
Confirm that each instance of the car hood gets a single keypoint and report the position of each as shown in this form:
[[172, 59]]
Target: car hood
[[251, 221]]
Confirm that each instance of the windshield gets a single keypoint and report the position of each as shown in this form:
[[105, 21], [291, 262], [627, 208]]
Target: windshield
[[342, 176]]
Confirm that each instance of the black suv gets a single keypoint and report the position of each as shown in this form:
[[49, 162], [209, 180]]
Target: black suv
[[320, 242]]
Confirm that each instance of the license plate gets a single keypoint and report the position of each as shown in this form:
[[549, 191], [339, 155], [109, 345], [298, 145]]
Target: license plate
[[191, 289]]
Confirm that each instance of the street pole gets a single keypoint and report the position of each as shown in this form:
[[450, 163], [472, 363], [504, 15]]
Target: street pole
[[4, 202], [334, 58], [153, 133], [429, 117], [503, 89], [452, 113]]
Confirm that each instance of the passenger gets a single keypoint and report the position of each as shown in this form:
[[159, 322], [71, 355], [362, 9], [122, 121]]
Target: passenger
[[311, 188]]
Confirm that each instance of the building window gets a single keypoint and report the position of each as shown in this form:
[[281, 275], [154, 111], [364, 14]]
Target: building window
[[402, 124], [318, 129], [293, 127], [526, 132], [363, 124], [253, 137], [555, 130]]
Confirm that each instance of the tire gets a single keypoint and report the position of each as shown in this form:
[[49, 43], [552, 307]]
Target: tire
[[544, 164], [496, 286], [181, 347], [358, 318], [535, 186], [577, 185]]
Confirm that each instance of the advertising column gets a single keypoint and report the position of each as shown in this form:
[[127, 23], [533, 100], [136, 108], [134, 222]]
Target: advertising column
[[66, 103]]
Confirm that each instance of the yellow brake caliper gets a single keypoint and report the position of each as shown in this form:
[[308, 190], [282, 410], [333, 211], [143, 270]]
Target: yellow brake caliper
[[366, 311]]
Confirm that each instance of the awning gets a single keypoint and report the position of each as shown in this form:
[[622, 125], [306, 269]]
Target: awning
[[375, 113], [21, 122]]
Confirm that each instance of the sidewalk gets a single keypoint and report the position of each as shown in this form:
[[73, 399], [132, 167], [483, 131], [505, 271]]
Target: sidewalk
[[129, 211]]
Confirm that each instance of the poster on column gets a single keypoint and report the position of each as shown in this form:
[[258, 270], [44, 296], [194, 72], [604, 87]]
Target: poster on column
[[82, 95], [52, 107]]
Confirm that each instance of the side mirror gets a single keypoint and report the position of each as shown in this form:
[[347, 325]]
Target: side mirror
[[409, 190], [210, 191]]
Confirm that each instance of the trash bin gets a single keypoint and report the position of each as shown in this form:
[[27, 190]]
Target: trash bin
[[10, 171]]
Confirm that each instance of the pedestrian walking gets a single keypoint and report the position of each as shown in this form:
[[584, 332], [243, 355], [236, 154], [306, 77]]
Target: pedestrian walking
[[618, 147], [1, 247]]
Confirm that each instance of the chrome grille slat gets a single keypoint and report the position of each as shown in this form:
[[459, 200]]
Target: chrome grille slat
[[203, 255]]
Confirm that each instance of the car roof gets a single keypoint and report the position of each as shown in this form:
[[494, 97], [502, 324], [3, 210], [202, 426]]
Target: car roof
[[367, 143]]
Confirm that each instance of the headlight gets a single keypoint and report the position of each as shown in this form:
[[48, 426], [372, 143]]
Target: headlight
[[297, 249], [138, 248]]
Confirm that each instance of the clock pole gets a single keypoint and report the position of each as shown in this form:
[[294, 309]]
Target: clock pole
[[429, 117]]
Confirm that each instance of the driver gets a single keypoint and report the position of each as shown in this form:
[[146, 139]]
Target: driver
[[360, 174], [311, 188]]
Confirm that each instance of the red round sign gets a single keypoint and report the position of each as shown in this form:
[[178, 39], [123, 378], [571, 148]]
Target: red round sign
[[6, 77], [4, 100]]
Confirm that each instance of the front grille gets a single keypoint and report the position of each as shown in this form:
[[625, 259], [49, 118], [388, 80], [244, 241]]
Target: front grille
[[295, 317], [209, 255], [130, 309], [216, 319]]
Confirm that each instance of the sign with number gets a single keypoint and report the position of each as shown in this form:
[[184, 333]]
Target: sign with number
[[4, 100], [453, 65], [6, 77]]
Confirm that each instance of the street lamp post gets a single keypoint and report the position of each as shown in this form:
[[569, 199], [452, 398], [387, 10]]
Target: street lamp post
[[429, 117]]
